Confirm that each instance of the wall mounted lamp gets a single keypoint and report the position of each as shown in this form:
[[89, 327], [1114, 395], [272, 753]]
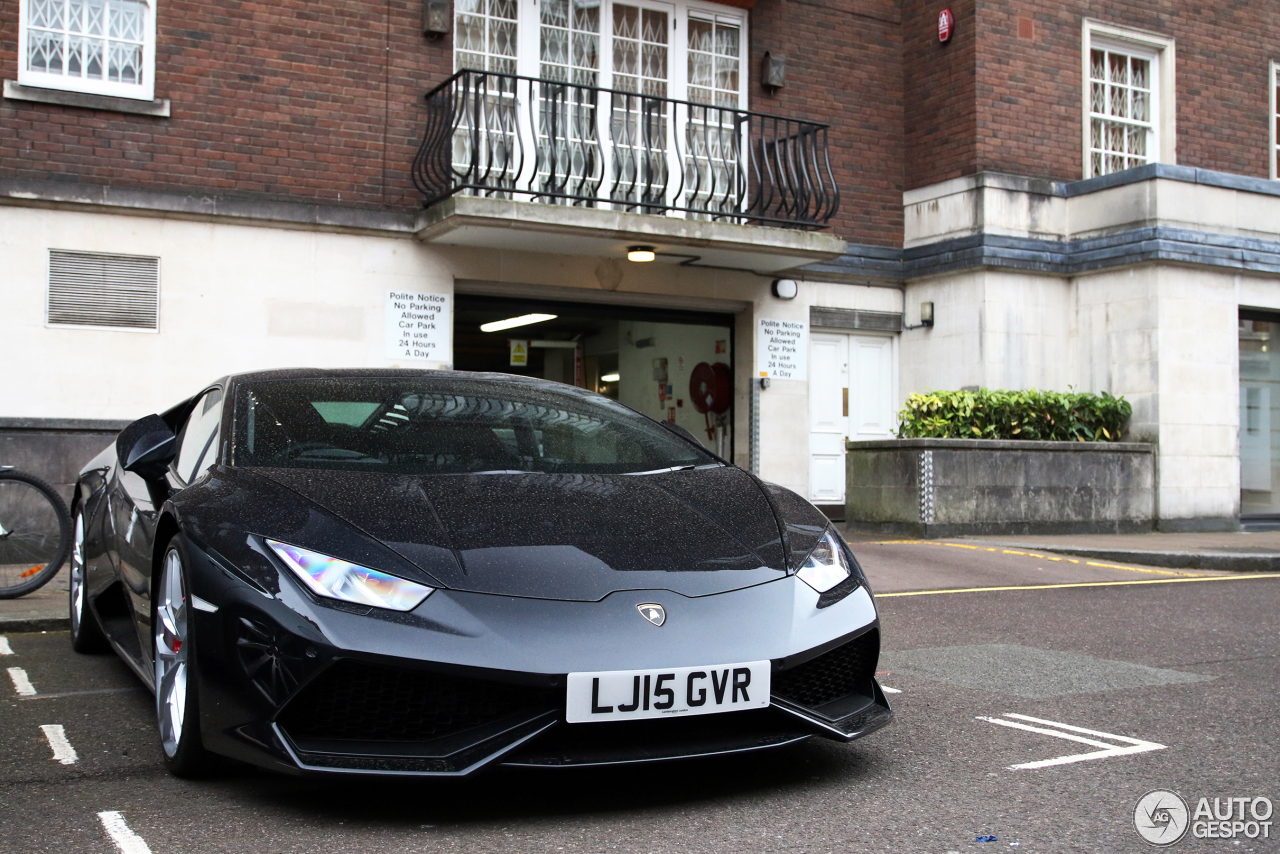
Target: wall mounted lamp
[[640, 254], [435, 18], [785, 288], [926, 317]]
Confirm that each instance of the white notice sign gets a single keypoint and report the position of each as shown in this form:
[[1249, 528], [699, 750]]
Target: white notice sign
[[418, 326], [782, 349]]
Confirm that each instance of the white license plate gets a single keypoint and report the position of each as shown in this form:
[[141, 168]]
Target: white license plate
[[616, 695]]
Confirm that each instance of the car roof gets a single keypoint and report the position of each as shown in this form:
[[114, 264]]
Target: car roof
[[393, 373]]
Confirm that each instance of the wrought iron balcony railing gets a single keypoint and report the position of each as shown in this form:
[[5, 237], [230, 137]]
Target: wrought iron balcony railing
[[506, 136]]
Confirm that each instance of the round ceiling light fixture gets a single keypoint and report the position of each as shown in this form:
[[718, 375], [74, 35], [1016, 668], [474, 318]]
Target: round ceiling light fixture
[[641, 254], [785, 288]]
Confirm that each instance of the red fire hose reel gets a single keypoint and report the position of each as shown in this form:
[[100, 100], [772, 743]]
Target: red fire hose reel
[[711, 390]]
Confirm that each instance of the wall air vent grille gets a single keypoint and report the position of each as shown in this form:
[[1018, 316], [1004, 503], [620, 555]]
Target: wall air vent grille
[[103, 290], [844, 318]]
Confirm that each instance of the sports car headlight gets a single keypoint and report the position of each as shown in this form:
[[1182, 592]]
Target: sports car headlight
[[826, 565], [336, 579]]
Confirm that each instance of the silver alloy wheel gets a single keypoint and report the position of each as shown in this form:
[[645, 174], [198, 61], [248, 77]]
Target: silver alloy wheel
[[171, 653], [77, 575]]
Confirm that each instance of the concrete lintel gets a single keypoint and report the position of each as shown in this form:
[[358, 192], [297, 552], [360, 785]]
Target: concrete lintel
[[531, 226], [205, 207]]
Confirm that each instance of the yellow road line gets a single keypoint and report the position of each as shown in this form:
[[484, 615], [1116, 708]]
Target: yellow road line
[[1250, 576], [1041, 557]]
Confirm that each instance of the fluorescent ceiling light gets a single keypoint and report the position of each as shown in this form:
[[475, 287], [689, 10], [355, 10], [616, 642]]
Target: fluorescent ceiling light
[[611, 378], [512, 322]]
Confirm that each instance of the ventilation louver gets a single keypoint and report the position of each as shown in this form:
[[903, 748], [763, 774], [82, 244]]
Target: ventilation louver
[[100, 289], [844, 318]]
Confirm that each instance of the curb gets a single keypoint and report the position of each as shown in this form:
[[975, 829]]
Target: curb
[[17, 625], [1222, 561]]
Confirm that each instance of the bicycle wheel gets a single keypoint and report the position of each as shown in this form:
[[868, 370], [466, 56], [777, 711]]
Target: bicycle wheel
[[35, 533]]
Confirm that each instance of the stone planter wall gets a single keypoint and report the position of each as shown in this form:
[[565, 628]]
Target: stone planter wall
[[945, 487]]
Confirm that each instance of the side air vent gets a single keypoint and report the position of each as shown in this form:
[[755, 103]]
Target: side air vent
[[102, 290]]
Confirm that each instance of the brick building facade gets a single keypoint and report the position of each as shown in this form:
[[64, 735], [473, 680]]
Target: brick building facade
[[1120, 233]]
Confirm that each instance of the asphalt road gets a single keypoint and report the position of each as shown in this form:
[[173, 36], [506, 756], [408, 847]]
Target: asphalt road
[[1186, 669]]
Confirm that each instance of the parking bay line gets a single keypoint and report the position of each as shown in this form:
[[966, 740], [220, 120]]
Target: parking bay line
[[21, 683], [125, 839], [57, 738], [1053, 558], [1250, 577], [82, 693], [1131, 745], [5, 649]]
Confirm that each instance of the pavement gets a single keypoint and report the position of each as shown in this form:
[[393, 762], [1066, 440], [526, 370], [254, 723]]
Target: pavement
[[1038, 696]]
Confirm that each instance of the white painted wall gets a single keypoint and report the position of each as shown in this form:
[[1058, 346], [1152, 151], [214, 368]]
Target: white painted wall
[[232, 298]]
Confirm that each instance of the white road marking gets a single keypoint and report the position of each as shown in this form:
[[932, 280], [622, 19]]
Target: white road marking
[[125, 839], [82, 693], [1128, 746], [5, 649], [888, 690], [62, 749], [21, 683]]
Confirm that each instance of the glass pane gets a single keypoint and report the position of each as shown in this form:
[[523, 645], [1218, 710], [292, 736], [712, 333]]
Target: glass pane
[[727, 74], [1095, 134], [1138, 142], [126, 19], [586, 15], [655, 27], [503, 9], [586, 51], [726, 40], [1097, 65], [700, 34], [1141, 73], [626, 21], [503, 37], [1118, 98], [47, 14], [469, 38], [44, 52], [555, 13], [1119, 68], [1142, 106], [1259, 421]]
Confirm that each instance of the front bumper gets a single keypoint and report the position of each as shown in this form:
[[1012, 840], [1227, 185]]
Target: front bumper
[[468, 680]]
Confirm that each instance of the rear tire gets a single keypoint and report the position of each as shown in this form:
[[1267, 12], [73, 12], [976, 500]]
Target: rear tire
[[86, 634], [177, 698]]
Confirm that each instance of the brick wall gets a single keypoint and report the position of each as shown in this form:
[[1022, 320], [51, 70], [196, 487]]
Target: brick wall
[[941, 112], [843, 67], [1029, 83], [290, 99]]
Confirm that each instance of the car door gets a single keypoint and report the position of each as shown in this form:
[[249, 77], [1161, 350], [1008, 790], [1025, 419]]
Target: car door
[[134, 514]]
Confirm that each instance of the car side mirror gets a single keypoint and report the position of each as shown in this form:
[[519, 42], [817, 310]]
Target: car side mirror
[[146, 447]]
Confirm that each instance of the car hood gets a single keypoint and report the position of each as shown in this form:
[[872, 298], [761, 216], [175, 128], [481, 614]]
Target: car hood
[[559, 536]]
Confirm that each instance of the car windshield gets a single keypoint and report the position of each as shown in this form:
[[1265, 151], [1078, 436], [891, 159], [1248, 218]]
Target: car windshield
[[447, 425]]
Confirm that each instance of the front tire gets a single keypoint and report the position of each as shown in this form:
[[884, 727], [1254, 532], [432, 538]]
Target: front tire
[[177, 700], [86, 634]]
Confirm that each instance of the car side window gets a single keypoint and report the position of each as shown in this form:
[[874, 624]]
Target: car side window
[[198, 444]]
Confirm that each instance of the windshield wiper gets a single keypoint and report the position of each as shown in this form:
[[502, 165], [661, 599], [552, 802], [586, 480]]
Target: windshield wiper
[[661, 471]]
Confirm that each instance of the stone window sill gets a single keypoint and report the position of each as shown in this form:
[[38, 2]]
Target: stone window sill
[[17, 92]]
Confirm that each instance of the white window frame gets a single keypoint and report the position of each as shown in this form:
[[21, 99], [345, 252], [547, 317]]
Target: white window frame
[[144, 91], [528, 39], [1274, 112], [1152, 46]]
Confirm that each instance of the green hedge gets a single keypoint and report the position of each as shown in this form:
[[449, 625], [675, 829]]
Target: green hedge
[[993, 414]]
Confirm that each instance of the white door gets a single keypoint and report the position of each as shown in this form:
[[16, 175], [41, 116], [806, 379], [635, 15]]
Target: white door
[[828, 415], [851, 394]]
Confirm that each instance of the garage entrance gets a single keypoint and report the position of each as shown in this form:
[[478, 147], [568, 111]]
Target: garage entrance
[[674, 366]]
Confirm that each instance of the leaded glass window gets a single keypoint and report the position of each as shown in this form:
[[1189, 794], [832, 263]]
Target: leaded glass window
[[103, 46], [1122, 118]]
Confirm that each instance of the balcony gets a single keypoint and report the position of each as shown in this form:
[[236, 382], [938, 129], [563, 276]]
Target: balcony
[[599, 167]]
